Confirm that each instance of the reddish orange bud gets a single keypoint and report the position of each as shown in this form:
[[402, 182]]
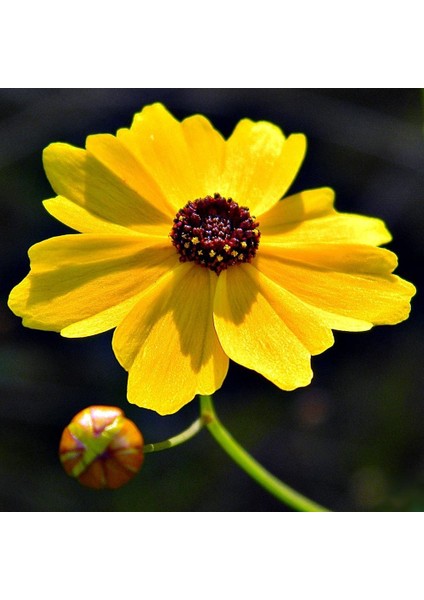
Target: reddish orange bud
[[101, 447]]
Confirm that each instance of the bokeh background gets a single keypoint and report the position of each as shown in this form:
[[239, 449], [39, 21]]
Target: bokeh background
[[353, 440]]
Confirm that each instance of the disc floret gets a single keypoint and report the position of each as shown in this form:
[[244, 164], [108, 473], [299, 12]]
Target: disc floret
[[215, 232]]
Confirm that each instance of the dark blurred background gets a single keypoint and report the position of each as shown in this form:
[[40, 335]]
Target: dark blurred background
[[353, 440]]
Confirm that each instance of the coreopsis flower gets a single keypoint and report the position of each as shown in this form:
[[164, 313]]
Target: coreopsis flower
[[188, 248]]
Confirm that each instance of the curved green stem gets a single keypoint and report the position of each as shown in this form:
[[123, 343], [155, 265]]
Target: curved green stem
[[273, 485], [177, 439]]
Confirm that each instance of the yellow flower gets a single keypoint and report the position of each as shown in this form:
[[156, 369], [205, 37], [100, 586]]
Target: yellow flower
[[186, 249]]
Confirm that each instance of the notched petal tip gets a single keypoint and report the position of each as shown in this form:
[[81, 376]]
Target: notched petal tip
[[401, 303], [298, 144], [51, 149], [157, 109], [58, 152], [19, 302]]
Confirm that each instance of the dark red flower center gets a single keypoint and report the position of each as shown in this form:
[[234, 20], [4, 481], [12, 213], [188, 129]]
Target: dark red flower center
[[215, 232]]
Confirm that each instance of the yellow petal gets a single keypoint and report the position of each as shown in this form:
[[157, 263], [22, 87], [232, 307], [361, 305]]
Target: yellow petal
[[346, 258], [308, 217], [85, 284], [157, 139], [315, 335], [78, 218], [260, 164], [341, 281], [207, 150], [77, 175], [250, 321], [168, 342], [309, 204], [119, 160]]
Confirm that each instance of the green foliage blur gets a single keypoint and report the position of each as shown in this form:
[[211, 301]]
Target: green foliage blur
[[352, 440]]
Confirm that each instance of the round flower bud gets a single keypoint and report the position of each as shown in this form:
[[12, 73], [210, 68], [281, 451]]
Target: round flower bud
[[101, 448]]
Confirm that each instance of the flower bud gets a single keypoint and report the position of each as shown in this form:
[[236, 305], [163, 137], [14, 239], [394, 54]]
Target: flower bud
[[101, 448]]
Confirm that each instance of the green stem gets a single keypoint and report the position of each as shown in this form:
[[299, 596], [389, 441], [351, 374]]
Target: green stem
[[177, 439], [273, 485]]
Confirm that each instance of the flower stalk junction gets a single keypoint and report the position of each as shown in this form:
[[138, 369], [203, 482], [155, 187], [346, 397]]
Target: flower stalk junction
[[208, 419]]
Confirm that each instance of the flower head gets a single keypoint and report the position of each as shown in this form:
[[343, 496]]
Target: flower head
[[187, 248], [101, 448]]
